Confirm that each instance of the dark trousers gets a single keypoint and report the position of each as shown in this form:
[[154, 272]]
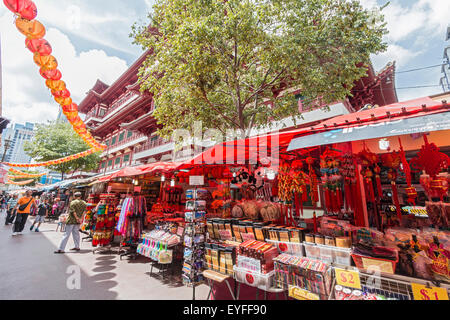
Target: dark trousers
[[10, 216], [21, 219]]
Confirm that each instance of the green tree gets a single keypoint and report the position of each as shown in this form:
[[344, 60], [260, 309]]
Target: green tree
[[57, 140], [227, 62]]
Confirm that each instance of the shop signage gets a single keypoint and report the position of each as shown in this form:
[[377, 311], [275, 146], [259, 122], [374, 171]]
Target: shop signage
[[196, 180], [137, 189], [302, 294], [433, 122], [348, 278], [422, 292]]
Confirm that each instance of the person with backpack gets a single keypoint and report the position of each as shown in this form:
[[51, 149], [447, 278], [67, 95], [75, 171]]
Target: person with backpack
[[23, 207]]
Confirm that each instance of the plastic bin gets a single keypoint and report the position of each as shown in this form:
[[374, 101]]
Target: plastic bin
[[292, 248], [254, 279], [328, 254]]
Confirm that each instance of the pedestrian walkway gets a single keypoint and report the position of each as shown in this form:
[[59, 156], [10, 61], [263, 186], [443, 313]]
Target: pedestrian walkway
[[30, 270]]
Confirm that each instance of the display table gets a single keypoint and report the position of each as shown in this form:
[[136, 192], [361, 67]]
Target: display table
[[215, 277]]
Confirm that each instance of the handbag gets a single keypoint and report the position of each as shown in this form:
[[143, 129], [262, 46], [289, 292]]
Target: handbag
[[24, 206]]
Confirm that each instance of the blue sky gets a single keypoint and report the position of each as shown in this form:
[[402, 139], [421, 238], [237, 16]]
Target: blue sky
[[90, 40]]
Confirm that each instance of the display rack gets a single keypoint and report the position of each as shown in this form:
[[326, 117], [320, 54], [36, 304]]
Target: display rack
[[390, 285], [194, 242]]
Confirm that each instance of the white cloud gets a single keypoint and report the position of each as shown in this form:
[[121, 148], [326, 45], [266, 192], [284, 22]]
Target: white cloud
[[25, 96], [394, 53]]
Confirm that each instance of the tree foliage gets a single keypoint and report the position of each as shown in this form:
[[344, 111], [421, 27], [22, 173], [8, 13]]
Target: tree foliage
[[225, 62], [57, 140]]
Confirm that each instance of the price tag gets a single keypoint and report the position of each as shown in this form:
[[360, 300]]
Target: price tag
[[421, 292], [302, 294], [348, 278]]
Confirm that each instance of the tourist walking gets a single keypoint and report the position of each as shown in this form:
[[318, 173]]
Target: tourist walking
[[42, 213], [23, 207], [11, 210], [76, 211]]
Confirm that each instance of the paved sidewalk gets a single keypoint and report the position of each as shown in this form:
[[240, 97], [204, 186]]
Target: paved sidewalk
[[30, 270]]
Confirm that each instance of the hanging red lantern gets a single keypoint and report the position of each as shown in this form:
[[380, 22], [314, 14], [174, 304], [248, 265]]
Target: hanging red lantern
[[17, 5], [31, 29], [53, 74], [29, 12], [62, 93], [41, 46], [71, 108]]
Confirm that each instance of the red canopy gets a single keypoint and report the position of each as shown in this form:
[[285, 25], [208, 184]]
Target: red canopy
[[159, 167]]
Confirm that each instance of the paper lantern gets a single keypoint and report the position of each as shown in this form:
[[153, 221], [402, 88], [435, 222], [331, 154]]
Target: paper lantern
[[31, 29], [70, 108], [63, 101], [62, 93], [47, 74], [17, 5], [48, 62], [39, 45], [56, 85], [29, 12]]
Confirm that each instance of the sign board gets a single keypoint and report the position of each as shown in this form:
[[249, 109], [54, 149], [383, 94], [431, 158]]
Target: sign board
[[302, 294], [348, 278], [421, 292], [433, 122], [137, 189], [383, 266], [196, 180]]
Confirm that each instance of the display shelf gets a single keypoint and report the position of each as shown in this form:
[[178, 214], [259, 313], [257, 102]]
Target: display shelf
[[292, 248]]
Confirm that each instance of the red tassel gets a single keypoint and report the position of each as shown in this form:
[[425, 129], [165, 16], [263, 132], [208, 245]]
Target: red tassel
[[379, 189], [327, 199], [297, 205], [339, 194], [396, 202]]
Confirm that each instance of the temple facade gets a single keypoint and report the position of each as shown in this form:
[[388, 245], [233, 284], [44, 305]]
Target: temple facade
[[120, 116]]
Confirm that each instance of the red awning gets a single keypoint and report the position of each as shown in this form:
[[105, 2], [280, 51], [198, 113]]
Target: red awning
[[159, 167]]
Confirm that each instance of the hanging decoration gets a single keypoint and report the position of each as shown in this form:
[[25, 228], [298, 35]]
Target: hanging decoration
[[18, 174], [348, 173], [411, 192], [34, 31], [392, 161], [21, 183], [330, 162], [432, 162]]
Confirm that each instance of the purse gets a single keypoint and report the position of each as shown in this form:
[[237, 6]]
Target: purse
[[165, 256], [24, 206]]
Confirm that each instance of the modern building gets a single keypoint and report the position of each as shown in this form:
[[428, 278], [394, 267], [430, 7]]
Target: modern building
[[445, 70], [13, 139], [121, 116]]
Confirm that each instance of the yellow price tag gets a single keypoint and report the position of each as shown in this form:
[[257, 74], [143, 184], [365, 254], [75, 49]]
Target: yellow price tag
[[348, 278], [302, 294], [421, 292]]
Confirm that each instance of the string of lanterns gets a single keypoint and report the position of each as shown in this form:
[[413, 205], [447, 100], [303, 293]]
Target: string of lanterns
[[34, 31], [20, 175], [21, 183]]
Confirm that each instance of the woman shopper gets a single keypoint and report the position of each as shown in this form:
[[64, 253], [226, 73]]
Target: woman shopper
[[23, 207], [76, 211]]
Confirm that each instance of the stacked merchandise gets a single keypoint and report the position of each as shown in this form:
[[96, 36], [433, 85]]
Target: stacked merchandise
[[255, 264], [220, 257], [105, 220], [194, 239], [130, 224], [342, 293], [155, 243], [312, 276]]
